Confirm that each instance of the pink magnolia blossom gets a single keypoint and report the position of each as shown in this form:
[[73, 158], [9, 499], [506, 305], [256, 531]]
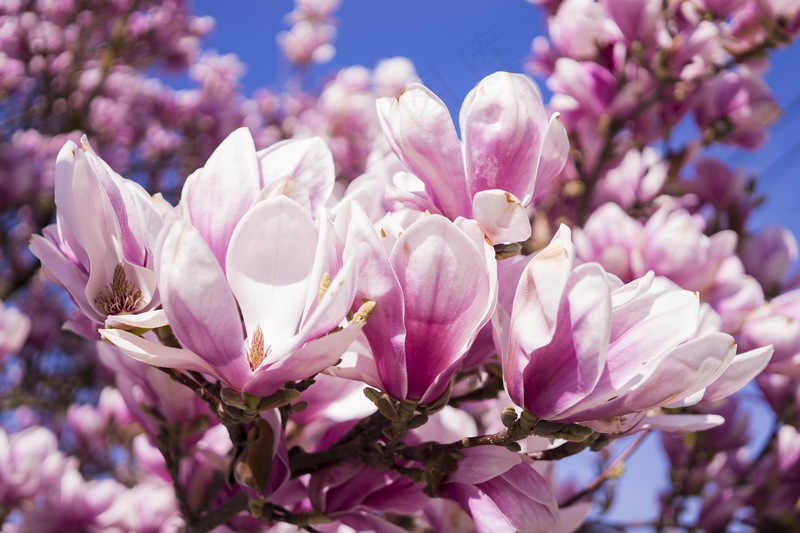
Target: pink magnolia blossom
[[778, 323], [721, 187], [738, 107], [352, 494], [29, 462], [638, 178], [433, 288], [768, 255], [579, 26], [673, 245], [256, 254], [609, 238], [637, 20], [501, 492], [72, 503], [284, 336], [510, 151], [308, 42], [101, 256], [584, 347]]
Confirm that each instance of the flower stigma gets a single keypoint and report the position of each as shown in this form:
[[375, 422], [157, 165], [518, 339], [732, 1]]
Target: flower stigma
[[257, 352], [120, 296]]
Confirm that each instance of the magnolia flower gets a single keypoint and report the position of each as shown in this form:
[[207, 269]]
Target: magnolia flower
[[778, 323], [262, 321], [29, 461], [584, 347], [99, 250], [736, 109], [353, 494], [501, 492], [510, 151], [434, 288]]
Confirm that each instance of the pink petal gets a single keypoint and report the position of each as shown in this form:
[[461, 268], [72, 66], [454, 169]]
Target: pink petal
[[681, 423], [446, 289], [156, 354], [483, 463], [535, 308], [314, 357], [566, 370], [61, 271], [421, 133], [334, 305], [501, 216], [687, 369], [308, 163], [743, 368], [148, 320], [552, 157], [220, 193], [482, 509], [385, 330], [198, 302], [503, 123], [270, 259], [86, 218]]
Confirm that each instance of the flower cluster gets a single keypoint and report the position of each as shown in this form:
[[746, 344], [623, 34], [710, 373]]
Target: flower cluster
[[349, 317]]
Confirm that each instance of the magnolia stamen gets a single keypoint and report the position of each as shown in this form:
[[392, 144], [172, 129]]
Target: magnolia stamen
[[257, 351], [120, 296]]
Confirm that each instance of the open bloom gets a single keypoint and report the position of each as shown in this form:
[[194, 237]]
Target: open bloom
[[261, 322], [510, 151], [584, 347]]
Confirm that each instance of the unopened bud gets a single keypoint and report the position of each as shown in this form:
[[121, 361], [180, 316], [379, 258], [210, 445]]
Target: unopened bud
[[417, 421], [298, 407], [508, 417], [387, 409], [514, 447], [278, 398], [372, 395], [504, 251]]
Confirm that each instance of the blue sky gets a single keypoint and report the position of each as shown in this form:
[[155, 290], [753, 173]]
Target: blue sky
[[456, 43]]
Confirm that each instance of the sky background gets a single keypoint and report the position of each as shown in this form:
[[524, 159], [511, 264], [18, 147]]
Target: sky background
[[456, 43]]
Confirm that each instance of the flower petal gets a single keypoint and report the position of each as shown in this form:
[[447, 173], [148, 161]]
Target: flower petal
[[567, 370], [448, 294], [221, 192], [385, 330], [314, 357], [552, 157], [198, 302], [309, 165], [535, 308], [501, 216], [744, 367], [421, 133], [156, 354], [503, 122], [271, 256], [687, 369]]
